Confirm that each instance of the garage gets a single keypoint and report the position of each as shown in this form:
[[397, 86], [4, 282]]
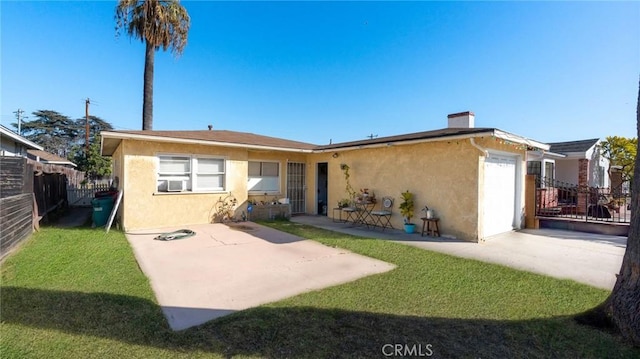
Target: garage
[[499, 205]]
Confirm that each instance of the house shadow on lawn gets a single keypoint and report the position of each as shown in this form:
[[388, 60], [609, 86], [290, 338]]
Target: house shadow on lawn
[[305, 331]]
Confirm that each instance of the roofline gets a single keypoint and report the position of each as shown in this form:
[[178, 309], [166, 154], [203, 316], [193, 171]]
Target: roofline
[[58, 162], [131, 136], [494, 132], [329, 148], [19, 138], [544, 153]]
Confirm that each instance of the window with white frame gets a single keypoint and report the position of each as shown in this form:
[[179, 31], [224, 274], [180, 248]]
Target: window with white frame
[[550, 171], [264, 177], [188, 173]]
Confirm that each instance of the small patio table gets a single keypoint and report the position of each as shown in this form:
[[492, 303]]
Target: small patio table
[[364, 212]]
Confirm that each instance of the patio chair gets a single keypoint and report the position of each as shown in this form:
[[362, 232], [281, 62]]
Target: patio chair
[[351, 213], [382, 217]]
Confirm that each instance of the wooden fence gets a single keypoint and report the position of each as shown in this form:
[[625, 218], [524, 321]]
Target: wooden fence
[[29, 191], [16, 202], [16, 224]]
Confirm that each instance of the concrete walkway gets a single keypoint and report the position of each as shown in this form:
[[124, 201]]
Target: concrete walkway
[[584, 257], [223, 269]]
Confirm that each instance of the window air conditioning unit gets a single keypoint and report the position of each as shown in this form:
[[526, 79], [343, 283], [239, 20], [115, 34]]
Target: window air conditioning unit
[[175, 185]]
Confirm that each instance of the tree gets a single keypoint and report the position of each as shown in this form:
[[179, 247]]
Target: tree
[[96, 125], [621, 310], [51, 130], [92, 163], [621, 151], [158, 23]]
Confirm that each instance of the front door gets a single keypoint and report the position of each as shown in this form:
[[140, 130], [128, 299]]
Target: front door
[[296, 187], [321, 183]]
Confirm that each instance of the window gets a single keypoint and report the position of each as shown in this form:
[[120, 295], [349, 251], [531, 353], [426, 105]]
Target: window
[[549, 171], [264, 177], [186, 173], [533, 168], [601, 178]]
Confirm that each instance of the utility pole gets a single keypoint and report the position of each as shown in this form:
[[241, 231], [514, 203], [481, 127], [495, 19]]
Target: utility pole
[[372, 136], [19, 117], [86, 137]]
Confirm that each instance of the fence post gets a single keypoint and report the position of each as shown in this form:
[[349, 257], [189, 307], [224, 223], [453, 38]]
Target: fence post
[[530, 218]]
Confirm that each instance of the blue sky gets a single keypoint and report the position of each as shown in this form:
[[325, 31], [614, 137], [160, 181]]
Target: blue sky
[[321, 71]]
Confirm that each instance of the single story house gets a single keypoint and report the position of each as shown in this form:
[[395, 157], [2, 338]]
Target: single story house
[[573, 162], [12, 144], [472, 177]]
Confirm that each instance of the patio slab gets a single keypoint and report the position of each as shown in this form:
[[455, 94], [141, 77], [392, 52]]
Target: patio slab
[[224, 269]]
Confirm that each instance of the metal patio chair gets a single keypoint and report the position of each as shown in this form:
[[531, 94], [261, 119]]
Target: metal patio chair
[[382, 217], [351, 213]]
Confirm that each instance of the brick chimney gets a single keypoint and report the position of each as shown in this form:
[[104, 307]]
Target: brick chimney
[[461, 120]]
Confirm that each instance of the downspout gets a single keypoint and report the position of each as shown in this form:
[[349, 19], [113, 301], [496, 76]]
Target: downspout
[[486, 154], [482, 149]]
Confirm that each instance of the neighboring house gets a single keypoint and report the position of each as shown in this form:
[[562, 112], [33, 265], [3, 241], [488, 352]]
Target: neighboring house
[[574, 162], [472, 177], [12, 144], [49, 158]]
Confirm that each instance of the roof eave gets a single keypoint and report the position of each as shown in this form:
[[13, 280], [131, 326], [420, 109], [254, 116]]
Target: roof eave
[[20, 139], [130, 136], [493, 132]]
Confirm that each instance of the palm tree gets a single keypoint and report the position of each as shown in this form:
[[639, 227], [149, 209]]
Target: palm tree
[[158, 23]]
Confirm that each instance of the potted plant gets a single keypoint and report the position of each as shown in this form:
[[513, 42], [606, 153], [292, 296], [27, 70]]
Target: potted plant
[[406, 210]]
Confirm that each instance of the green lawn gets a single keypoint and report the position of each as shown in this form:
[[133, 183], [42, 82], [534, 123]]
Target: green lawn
[[78, 293]]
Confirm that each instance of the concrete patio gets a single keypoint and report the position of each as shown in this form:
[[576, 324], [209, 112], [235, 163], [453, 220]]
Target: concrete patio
[[227, 268]]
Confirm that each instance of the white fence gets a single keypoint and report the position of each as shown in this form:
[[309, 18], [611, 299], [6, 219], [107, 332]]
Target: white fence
[[82, 196]]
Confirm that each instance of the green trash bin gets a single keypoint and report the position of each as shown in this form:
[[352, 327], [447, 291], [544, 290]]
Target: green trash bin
[[101, 210]]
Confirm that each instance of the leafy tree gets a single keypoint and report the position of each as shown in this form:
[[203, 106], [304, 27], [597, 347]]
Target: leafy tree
[[66, 138], [92, 163], [51, 130], [96, 125], [621, 310], [158, 23], [621, 151]]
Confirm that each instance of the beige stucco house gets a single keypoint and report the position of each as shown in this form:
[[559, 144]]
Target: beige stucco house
[[472, 177]]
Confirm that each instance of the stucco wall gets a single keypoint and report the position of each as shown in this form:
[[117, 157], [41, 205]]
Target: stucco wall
[[445, 175], [144, 207]]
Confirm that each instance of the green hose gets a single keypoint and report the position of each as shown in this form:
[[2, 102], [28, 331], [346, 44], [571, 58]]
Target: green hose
[[179, 234]]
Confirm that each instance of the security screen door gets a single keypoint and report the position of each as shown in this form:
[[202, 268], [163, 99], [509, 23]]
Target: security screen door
[[296, 186]]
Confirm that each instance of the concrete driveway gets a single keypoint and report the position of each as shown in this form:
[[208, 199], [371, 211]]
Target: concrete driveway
[[223, 269], [587, 258]]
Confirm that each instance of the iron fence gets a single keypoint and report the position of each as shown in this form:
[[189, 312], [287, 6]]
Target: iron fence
[[559, 199]]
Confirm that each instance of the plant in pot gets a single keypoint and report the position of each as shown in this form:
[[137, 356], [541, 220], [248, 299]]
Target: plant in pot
[[406, 210]]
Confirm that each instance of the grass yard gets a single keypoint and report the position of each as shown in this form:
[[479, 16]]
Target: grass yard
[[78, 293]]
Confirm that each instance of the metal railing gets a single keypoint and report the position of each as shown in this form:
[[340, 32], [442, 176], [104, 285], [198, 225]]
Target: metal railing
[[559, 199]]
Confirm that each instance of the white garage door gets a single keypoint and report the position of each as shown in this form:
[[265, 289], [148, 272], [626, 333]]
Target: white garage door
[[499, 194]]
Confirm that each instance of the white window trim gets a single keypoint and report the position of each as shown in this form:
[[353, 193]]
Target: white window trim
[[279, 190], [192, 174]]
